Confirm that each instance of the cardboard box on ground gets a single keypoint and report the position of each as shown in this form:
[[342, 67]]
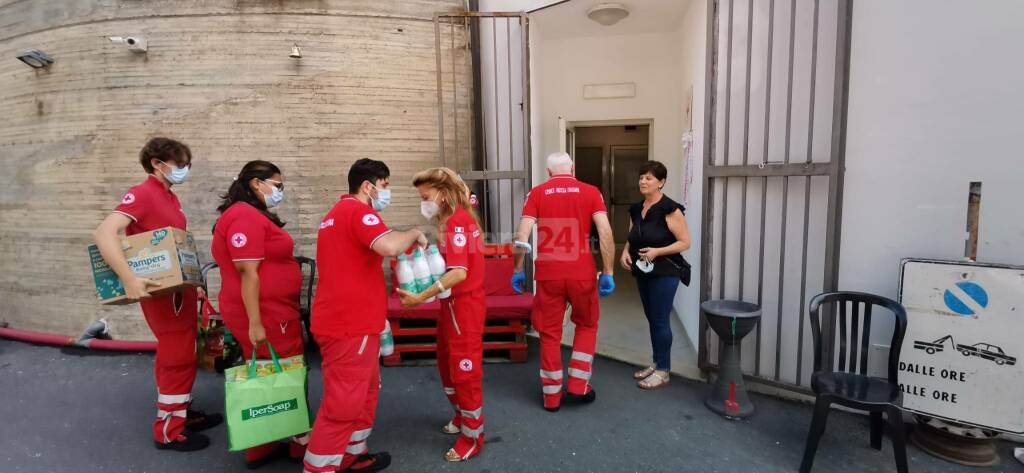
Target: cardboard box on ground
[[166, 255]]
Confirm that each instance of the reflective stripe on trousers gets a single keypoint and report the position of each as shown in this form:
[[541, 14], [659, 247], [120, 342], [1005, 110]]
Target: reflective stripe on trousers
[[575, 373], [322, 461]]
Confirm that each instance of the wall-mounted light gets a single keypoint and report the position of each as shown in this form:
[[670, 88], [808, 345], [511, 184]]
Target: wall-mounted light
[[35, 58], [608, 14], [296, 52], [136, 44]]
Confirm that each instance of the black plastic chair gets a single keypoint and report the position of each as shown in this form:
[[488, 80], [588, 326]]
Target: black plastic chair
[[844, 381], [306, 304]]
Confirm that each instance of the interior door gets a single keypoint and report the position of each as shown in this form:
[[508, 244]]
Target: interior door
[[625, 166]]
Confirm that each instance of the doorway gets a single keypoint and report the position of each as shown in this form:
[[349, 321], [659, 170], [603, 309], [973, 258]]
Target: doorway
[[609, 156]]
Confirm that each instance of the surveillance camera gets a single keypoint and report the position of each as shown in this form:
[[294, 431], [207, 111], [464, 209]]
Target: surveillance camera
[[135, 43]]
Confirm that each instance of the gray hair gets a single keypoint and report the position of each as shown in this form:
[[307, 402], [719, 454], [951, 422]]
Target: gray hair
[[560, 163]]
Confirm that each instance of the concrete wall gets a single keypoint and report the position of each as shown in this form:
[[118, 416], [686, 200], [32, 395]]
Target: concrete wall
[[931, 109], [218, 77]]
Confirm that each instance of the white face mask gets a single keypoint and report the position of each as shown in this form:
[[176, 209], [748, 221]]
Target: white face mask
[[177, 175], [645, 266], [429, 209], [275, 197], [383, 199]]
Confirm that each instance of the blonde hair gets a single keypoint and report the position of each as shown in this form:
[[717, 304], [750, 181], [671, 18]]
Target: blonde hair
[[452, 189]]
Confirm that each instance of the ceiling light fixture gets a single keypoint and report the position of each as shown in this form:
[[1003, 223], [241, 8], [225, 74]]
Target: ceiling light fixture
[[608, 14], [296, 52], [35, 58]]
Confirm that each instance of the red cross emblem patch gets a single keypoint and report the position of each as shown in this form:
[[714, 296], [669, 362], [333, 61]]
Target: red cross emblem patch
[[466, 365], [239, 240]]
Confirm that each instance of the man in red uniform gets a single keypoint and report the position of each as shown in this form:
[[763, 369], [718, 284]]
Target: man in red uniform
[[564, 209], [172, 318], [349, 311]]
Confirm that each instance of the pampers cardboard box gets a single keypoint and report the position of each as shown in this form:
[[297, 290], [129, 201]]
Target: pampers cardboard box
[[166, 255]]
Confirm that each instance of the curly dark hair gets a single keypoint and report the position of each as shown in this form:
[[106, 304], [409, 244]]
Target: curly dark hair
[[241, 192], [166, 150]]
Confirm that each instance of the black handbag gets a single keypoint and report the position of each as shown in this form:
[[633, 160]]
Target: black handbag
[[683, 271]]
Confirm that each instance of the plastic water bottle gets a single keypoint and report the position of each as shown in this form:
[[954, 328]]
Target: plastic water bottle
[[421, 271], [406, 278], [387, 341], [437, 268]]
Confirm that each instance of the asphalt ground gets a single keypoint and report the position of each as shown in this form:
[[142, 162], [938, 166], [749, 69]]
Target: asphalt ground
[[73, 410]]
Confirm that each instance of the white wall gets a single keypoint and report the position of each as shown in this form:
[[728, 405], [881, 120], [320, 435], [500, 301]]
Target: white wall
[[563, 66], [935, 103], [691, 53]]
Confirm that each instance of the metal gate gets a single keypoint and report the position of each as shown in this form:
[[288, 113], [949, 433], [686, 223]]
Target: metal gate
[[483, 110], [775, 118]]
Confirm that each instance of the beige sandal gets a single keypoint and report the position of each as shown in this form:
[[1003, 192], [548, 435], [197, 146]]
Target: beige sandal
[[643, 373], [450, 428], [649, 383], [452, 456]]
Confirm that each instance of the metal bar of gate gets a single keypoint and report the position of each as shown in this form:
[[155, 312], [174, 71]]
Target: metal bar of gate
[[746, 150], [455, 97], [511, 153], [440, 90], [497, 133], [707, 191], [840, 100], [725, 158], [807, 192], [785, 189]]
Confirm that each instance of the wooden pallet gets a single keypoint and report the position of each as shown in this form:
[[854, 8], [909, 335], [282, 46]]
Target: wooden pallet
[[416, 341]]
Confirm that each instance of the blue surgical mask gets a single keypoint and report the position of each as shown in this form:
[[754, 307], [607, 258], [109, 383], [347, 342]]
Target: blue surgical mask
[[383, 199], [177, 175], [275, 197]]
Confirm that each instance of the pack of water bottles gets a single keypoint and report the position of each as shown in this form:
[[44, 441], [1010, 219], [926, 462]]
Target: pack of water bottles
[[418, 273]]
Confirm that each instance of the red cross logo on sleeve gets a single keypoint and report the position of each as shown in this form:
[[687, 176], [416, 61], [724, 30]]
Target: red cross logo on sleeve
[[239, 240]]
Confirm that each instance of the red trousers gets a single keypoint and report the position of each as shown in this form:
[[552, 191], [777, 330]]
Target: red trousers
[[286, 338], [548, 316], [172, 318], [460, 352], [351, 372]]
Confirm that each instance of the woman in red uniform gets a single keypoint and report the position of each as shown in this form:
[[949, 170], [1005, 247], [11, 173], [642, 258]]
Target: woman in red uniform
[[260, 278], [461, 321], [172, 317]]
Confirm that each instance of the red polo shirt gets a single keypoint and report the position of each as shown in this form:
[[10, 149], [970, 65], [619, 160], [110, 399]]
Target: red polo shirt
[[150, 205], [351, 299], [243, 233], [463, 248], [564, 209]]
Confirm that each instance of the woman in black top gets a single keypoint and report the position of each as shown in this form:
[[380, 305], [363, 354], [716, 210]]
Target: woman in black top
[[657, 236]]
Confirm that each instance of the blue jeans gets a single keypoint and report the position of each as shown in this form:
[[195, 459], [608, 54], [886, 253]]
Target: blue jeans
[[657, 294]]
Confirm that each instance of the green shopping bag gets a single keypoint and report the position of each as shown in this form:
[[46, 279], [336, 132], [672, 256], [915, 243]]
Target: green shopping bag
[[266, 403]]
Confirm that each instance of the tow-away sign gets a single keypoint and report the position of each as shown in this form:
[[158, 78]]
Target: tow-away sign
[[961, 357]]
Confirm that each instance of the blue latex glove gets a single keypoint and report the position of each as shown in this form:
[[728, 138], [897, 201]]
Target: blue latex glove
[[605, 285], [518, 281]]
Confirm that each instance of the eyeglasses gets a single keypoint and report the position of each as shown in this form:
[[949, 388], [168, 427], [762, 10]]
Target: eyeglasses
[[279, 185], [175, 163]]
